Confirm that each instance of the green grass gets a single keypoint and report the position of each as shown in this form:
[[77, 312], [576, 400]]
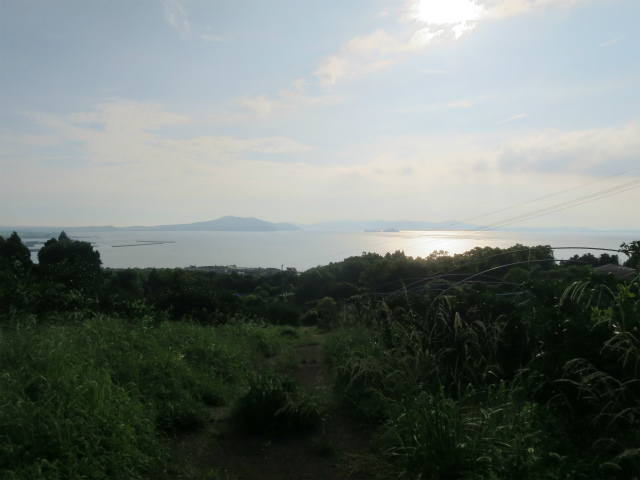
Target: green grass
[[93, 399], [444, 406]]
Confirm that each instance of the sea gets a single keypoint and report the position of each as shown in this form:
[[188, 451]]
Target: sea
[[306, 249]]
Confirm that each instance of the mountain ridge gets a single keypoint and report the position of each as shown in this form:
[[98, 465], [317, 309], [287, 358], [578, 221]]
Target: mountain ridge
[[231, 223]]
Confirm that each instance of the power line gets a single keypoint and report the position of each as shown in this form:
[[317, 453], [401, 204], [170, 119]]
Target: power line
[[451, 272], [567, 204], [548, 210], [542, 198], [536, 213]]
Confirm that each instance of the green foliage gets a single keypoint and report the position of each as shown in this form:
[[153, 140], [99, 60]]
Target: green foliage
[[632, 250], [14, 254], [277, 404], [484, 386], [91, 399], [486, 436], [495, 363], [72, 251], [590, 259], [69, 265], [63, 416]]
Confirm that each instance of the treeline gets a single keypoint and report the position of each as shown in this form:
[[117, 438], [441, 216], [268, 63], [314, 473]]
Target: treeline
[[69, 278]]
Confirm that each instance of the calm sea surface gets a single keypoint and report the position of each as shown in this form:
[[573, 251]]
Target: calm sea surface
[[306, 249]]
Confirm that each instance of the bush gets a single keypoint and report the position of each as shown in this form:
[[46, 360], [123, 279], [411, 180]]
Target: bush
[[276, 404]]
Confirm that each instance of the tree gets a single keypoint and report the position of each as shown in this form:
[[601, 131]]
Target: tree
[[73, 251], [632, 250], [72, 262], [13, 251]]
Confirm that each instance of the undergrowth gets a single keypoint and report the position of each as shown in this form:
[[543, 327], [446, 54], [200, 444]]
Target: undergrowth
[[277, 404], [442, 390], [94, 399]]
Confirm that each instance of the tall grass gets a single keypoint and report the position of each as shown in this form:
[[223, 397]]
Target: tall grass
[[92, 399], [482, 434], [446, 403]]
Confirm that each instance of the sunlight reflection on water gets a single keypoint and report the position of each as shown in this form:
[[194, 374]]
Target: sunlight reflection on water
[[306, 249]]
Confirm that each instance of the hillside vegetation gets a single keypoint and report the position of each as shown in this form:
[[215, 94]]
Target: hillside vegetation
[[496, 363]]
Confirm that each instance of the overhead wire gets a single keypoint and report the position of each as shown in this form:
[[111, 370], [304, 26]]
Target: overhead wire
[[543, 198], [530, 215], [451, 272], [546, 211]]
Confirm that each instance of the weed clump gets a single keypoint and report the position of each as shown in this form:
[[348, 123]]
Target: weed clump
[[277, 404]]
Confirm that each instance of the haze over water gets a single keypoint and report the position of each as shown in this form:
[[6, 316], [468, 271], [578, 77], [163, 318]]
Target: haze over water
[[305, 249]]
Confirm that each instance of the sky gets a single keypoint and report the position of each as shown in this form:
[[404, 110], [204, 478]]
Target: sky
[[160, 112]]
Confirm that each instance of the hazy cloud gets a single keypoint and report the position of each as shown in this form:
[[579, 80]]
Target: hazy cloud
[[247, 108], [459, 16], [578, 151], [510, 8], [366, 54], [380, 49], [177, 16], [125, 132], [609, 42], [460, 104], [213, 38], [462, 16], [453, 156], [220, 147], [511, 119]]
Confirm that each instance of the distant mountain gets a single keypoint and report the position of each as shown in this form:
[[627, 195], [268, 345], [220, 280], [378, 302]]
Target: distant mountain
[[251, 224], [224, 224]]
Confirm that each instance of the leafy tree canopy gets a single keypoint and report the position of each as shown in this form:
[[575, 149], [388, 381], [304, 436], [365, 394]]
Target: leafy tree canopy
[[57, 251], [632, 250], [12, 250]]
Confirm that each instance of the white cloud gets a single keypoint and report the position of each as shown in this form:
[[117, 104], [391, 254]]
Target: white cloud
[[125, 133], [573, 151], [260, 105], [137, 167], [213, 38], [511, 8], [609, 42], [248, 108], [462, 16], [380, 49], [511, 119], [176, 15], [451, 157], [459, 16], [460, 104], [298, 95], [369, 53]]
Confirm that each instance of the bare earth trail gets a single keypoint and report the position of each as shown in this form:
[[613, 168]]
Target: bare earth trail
[[330, 453]]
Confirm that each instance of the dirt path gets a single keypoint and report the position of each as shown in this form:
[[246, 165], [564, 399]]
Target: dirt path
[[331, 453]]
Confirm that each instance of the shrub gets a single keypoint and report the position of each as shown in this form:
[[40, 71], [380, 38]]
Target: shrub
[[276, 404]]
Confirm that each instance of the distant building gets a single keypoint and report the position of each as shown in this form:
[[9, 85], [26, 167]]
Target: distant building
[[618, 271]]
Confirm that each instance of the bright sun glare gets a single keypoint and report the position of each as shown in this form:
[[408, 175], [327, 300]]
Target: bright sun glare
[[450, 12]]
